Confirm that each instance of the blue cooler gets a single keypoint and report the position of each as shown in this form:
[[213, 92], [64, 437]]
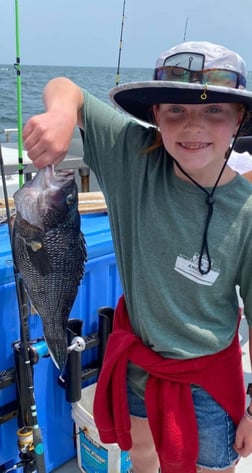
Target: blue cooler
[[100, 287]]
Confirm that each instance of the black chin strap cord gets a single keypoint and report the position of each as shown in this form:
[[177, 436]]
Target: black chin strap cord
[[204, 252]]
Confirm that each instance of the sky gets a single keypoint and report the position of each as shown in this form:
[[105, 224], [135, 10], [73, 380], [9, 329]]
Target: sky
[[87, 32]]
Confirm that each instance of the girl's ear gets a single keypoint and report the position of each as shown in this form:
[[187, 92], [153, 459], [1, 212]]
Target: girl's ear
[[155, 110], [241, 115]]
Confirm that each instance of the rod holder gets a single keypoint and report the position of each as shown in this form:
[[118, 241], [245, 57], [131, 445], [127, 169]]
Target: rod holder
[[105, 324], [72, 376]]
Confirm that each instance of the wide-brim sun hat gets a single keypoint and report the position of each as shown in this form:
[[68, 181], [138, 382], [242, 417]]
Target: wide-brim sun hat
[[189, 73]]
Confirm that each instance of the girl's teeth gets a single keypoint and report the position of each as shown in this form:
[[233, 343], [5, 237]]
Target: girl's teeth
[[194, 145]]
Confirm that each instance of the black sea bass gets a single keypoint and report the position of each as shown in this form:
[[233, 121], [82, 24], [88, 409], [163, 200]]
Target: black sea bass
[[49, 251]]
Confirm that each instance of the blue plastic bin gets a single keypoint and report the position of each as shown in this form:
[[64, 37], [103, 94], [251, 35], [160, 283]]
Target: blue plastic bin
[[100, 287]]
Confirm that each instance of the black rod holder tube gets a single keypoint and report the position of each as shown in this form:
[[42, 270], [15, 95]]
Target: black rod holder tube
[[24, 416], [105, 324], [73, 367]]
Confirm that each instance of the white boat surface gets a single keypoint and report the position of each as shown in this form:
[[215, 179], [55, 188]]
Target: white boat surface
[[74, 160]]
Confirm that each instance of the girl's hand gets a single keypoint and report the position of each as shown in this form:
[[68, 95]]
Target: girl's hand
[[47, 137], [243, 440]]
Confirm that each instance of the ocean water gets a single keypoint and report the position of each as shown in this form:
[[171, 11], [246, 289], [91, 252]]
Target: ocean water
[[98, 80]]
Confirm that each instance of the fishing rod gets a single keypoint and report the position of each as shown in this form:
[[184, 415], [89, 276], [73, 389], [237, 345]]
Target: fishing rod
[[185, 29], [23, 312], [17, 66], [21, 296], [120, 45]]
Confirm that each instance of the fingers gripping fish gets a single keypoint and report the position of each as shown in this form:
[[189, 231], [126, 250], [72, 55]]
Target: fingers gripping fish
[[50, 251]]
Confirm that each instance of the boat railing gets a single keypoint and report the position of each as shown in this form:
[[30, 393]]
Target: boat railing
[[8, 132], [73, 160]]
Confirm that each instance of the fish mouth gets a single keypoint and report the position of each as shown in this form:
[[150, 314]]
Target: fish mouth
[[47, 190], [51, 178]]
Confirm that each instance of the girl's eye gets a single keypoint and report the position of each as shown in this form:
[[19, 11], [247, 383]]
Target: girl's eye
[[175, 109], [214, 109]]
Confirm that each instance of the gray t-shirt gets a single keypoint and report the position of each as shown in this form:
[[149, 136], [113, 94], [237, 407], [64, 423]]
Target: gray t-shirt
[[157, 223]]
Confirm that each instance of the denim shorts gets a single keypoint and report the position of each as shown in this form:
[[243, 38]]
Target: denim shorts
[[216, 430]]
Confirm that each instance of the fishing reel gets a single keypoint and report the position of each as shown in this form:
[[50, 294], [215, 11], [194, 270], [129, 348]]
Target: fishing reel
[[26, 449], [26, 452], [25, 439]]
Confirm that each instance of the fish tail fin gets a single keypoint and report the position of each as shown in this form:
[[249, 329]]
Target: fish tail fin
[[57, 348]]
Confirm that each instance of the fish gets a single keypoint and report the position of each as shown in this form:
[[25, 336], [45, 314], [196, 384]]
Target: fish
[[50, 252]]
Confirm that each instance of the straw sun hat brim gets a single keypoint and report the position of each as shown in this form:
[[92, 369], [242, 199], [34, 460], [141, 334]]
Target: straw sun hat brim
[[137, 98]]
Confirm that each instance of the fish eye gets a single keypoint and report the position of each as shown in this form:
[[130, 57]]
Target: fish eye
[[70, 199]]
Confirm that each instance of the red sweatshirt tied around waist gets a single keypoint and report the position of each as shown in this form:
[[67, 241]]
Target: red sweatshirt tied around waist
[[168, 395]]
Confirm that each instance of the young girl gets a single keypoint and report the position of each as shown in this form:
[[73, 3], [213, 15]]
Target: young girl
[[181, 221]]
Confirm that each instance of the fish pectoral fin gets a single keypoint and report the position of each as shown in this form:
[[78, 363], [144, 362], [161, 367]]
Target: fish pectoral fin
[[39, 258], [36, 245]]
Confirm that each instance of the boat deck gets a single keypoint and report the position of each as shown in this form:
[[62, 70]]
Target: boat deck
[[244, 466]]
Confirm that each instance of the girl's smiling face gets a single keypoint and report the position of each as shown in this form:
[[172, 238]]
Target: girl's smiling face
[[198, 136]]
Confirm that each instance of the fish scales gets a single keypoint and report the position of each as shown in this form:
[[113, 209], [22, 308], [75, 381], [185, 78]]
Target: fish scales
[[49, 253]]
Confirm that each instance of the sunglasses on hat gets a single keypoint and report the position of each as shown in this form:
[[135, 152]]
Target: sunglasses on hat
[[220, 77]]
